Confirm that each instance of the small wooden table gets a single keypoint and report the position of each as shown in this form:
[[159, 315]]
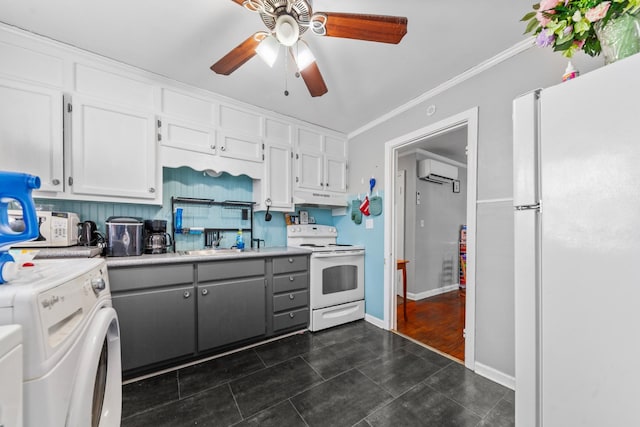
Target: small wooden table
[[402, 265]]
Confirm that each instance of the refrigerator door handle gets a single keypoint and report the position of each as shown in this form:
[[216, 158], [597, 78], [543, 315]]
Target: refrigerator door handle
[[535, 207]]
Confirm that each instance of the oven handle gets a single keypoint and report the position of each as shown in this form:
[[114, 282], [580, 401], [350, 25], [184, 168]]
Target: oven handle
[[336, 254]]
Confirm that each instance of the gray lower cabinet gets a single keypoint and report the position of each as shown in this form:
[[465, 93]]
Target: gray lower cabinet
[[230, 311], [176, 311], [156, 308], [290, 299]]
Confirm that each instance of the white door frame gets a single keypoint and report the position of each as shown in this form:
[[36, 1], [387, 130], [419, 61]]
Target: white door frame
[[470, 119]]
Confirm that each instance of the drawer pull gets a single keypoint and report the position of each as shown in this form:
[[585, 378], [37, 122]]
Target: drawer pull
[[291, 296], [291, 278], [186, 294], [205, 291], [290, 259], [292, 315]]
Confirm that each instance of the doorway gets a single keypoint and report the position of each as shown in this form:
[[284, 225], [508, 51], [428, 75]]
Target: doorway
[[431, 141]]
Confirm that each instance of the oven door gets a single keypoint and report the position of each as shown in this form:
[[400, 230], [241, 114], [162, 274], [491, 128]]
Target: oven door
[[336, 278]]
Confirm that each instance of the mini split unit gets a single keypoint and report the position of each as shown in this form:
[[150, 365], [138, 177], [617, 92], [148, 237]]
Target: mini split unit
[[438, 172]]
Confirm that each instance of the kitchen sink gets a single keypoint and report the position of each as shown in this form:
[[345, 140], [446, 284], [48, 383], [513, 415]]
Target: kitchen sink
[[209, 252]]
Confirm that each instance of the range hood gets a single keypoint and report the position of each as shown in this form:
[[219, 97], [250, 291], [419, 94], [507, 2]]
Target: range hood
[[435, 171], [319, 198]]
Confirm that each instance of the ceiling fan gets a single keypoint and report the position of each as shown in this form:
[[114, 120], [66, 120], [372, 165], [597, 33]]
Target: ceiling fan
[[288, 20]]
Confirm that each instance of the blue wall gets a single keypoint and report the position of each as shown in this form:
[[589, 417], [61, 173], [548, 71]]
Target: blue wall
[[185, 182], [373, 240]]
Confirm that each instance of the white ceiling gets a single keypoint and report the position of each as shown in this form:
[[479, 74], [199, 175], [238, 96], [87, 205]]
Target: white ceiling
[[182, 39]]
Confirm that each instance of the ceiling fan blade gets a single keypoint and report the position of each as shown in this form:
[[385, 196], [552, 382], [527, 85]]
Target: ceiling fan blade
[[313, 79], [237, 56], [375, 28]]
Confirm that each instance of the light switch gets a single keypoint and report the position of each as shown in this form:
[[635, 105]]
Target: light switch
[[368, 223]]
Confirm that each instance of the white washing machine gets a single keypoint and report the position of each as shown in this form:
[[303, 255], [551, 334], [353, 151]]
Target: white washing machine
[[11, 375], [72, 370]]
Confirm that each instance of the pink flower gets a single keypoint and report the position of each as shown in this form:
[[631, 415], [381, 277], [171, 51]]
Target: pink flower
[[546, 6], [598, 12], [579, 43]]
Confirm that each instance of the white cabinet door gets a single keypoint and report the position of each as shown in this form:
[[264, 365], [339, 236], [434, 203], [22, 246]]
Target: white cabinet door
[[242, 147], [278, 176], [188, 136], [310, 171], [335, 174], [31, 133], [113, 151]]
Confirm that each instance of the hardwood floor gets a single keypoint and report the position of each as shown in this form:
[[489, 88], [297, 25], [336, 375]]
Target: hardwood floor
[[437, 322]]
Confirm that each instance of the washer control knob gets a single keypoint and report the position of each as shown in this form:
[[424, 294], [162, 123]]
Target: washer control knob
[[98, 284]]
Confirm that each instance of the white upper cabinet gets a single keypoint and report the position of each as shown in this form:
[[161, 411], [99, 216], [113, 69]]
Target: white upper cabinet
[[31, 133], [113, 151], [321, 162], [275, 187]]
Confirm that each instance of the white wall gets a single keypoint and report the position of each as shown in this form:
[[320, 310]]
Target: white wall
[[492, 91], [443, 212]]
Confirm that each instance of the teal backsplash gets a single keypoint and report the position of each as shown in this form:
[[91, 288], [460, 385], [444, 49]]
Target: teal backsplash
[[185, 182]]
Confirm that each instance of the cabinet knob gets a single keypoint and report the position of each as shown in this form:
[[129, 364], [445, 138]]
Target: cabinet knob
[[205, 291], [291, 279], [55, 182], [223, 148], [290, 259], [292, 315], [322, 184], [152, 190], [327, 184], [186, 294], [213, 146], [292, 296]]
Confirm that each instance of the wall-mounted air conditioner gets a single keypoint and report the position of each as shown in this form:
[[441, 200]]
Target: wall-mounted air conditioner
[[438, 172]]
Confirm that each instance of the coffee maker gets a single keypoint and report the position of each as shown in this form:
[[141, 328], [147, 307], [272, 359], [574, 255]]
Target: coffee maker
[[156, 238]]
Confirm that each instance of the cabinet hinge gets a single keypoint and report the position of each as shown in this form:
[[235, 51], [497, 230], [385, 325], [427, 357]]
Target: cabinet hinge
[[69, 107], [70, 180], [159, 123], [159, 137], [296, 179], [263, 145], [297, 157], [262, 156]]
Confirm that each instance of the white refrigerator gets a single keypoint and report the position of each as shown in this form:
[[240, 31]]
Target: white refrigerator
[[577, 250]]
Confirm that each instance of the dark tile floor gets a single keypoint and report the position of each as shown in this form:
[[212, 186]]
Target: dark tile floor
[[352, 375]]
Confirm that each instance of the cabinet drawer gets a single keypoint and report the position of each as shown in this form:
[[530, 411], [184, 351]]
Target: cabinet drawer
[[131, 278], [290, 263], [219, 270], [291, 319], [290, 282], [290, 300]]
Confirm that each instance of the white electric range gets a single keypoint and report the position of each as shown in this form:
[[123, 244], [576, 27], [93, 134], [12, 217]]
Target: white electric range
[[336, 276]]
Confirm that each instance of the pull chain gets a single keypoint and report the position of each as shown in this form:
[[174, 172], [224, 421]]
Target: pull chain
[[286, 70]]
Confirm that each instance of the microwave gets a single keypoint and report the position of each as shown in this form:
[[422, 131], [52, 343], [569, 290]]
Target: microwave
[[57, 229]]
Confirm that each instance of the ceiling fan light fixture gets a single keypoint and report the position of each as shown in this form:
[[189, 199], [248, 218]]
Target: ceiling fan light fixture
[[303, 55], [287, 30], [268, 49]]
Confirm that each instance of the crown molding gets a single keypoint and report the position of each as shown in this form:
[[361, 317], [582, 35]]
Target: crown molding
[[474, 71]]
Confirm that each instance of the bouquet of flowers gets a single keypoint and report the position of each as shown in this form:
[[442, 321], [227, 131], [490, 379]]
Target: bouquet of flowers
[[570, 25]]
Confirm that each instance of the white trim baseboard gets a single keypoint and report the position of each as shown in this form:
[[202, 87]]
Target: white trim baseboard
[[432, 292], [495, 375], [374, 321]]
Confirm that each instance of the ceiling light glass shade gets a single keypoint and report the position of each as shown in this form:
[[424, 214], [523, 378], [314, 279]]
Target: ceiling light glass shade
[[287, 30], [303, 55], [268, 50]]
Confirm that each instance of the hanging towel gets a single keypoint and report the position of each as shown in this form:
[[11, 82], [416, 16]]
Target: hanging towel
[[356, 215], [364, 206]]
